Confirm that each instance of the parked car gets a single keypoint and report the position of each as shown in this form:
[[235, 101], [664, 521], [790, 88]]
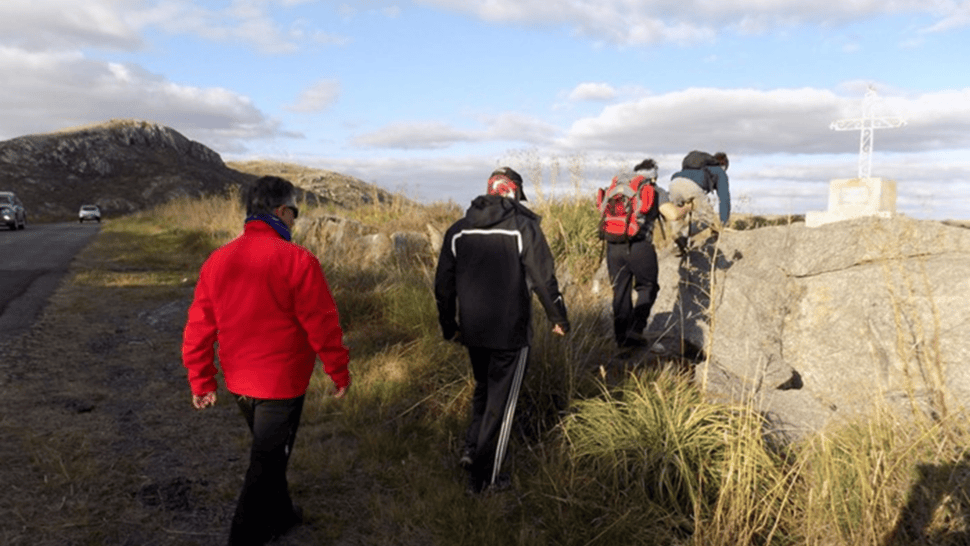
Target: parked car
[[12, 212], [89, 212]]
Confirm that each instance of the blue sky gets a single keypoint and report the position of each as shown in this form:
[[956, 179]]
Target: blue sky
[[428, 96]]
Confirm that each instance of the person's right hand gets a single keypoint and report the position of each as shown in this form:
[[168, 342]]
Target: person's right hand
[[202, 401], [557, 329], [341, 392]]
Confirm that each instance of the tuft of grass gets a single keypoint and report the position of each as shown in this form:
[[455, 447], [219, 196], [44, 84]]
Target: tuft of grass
[[881, 481], [656, 440]]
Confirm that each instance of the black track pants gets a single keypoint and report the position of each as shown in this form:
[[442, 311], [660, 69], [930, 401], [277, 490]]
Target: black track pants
[[632, 266], [264, 508], [498, 376]]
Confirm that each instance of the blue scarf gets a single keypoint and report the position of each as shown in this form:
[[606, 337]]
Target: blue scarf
[[274, 222]]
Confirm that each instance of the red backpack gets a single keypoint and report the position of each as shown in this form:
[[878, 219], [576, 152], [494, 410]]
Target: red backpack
[[628, 206]]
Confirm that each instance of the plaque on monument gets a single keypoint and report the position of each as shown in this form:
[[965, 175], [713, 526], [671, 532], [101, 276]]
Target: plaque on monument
[[855, 197]]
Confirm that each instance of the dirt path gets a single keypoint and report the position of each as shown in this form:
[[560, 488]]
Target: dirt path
[[98, 440], [96, 430]]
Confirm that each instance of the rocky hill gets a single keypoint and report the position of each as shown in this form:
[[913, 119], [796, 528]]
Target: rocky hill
[[128, 165], [328, 186]]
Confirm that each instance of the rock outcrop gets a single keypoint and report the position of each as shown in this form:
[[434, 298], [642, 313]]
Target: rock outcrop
[[342, 239], [814, 325], [340, 189]]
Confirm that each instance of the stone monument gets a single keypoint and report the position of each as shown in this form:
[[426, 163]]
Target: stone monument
[[864, 195]]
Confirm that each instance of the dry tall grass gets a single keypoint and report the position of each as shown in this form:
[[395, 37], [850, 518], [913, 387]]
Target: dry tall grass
[[647, 460]]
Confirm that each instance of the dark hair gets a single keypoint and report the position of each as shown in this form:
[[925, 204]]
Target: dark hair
[[267, 193], [645, 165], [722, 159]]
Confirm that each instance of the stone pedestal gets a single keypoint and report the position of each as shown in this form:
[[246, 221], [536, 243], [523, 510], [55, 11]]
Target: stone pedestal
[[855, 197]]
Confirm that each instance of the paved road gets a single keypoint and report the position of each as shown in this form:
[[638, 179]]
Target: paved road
[[32, 263]]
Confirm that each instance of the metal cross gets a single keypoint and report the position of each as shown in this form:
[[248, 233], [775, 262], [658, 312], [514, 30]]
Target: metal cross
[[867, 123]]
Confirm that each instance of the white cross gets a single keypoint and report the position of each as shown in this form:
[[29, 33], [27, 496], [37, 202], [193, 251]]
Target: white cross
[[867, 123]]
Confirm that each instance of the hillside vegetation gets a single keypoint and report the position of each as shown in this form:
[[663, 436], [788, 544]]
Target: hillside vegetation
[[105, 448], [126, 165]]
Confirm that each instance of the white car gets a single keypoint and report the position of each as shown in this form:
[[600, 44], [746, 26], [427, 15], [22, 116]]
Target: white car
[[12, 212], [89, 212]]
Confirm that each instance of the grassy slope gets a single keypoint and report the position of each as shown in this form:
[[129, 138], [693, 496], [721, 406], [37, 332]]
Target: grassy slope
[[101, 446]]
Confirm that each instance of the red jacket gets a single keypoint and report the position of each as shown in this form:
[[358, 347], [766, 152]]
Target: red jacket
[[267, 303]]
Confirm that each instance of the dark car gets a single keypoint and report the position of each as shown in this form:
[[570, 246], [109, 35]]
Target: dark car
[[12, 212], [89, 212]]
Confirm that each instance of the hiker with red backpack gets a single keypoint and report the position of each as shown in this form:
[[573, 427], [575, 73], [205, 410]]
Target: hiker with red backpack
[[491, 261], [630, 207], [701, 174]]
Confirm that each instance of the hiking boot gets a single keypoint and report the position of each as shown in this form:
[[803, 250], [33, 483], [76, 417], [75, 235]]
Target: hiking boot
[[503, 482], [467, 458], [632, 339], [474, 486], [682, 246]]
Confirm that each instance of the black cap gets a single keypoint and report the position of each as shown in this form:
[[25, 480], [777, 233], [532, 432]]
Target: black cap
[[498, 178]]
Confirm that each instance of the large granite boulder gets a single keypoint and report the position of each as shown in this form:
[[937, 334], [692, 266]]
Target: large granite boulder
[[344, 240], [819, 324]]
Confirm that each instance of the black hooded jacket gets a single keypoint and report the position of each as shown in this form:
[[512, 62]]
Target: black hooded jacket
[[490, 261]]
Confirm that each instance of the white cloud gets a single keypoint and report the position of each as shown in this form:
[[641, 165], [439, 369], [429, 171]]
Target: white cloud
[[593, 92], [251, 23], [51, 91], [767, 122], [241, 22], [424, 177], [319, 97], [760, 184], [955, 15], [116, 24], [50, 24], [434, 135], [516, 127], [414, 136], [644, 22], [349, 10]]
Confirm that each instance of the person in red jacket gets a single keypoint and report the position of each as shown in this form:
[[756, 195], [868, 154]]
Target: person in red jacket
[[266, 303]]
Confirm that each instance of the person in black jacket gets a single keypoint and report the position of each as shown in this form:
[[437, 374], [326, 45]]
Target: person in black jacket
[[489, 263]]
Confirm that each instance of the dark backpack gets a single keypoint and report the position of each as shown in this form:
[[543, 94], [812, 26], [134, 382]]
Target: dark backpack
[[701, 161], [624, 218]]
